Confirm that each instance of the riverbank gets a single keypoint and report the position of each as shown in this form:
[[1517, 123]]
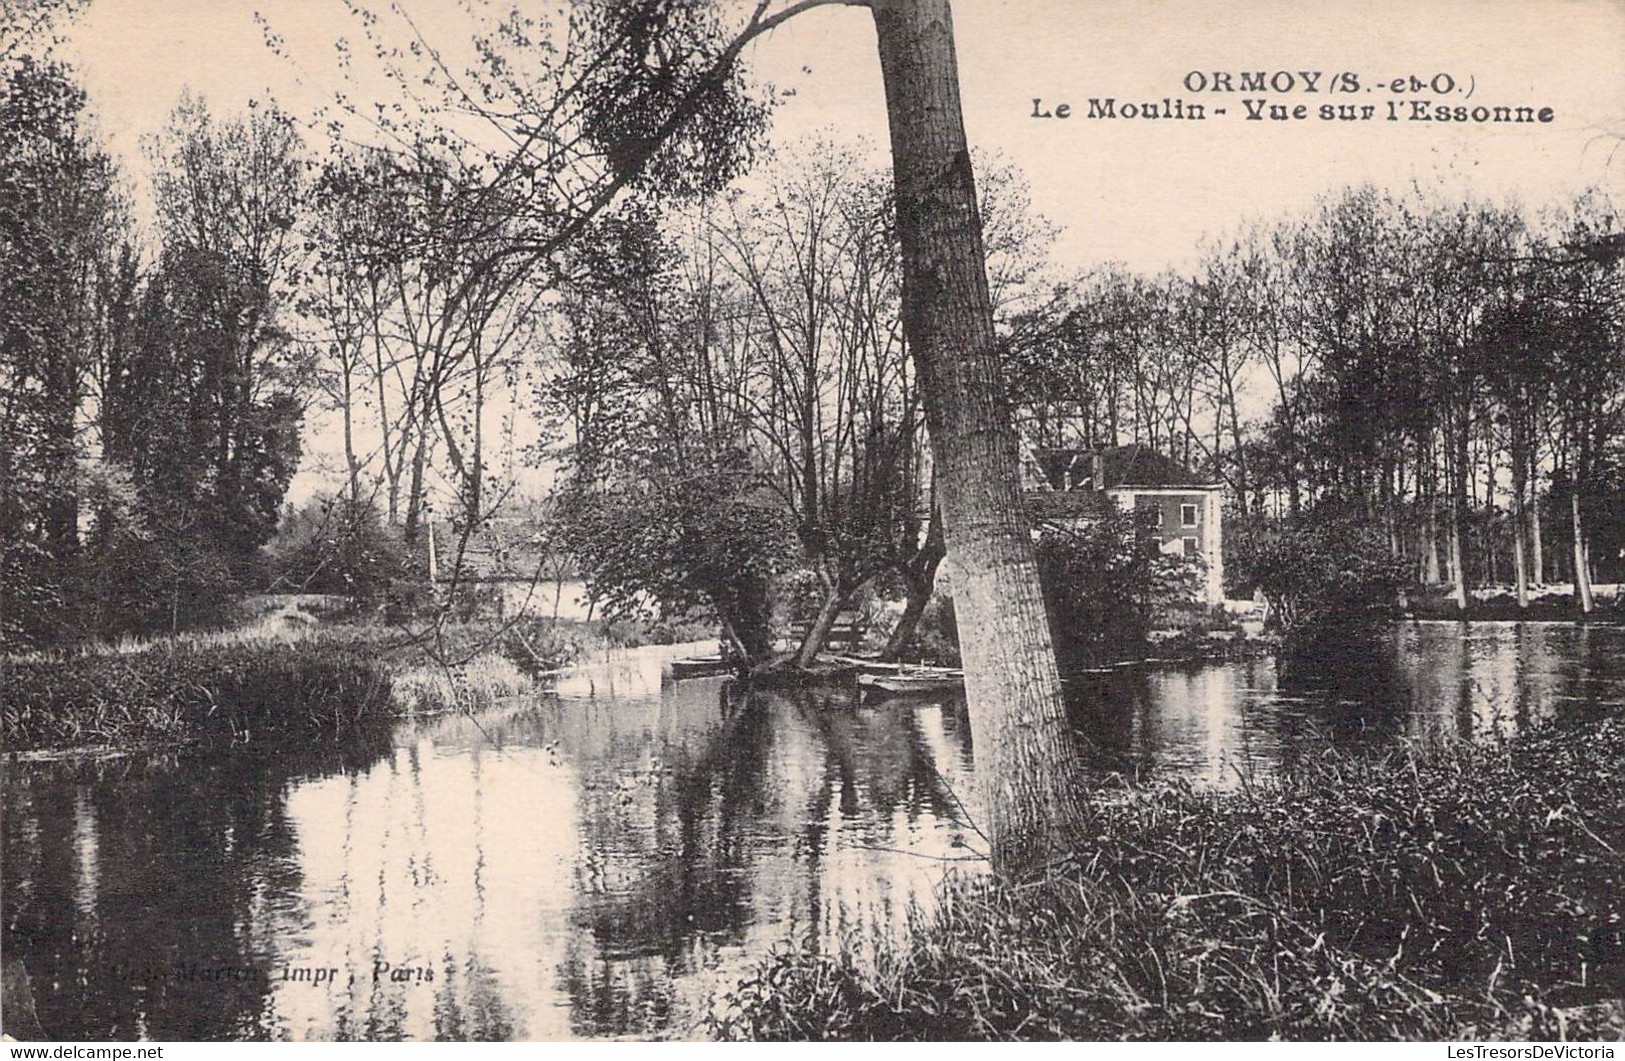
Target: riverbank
[[1463, 891], [295, 669]]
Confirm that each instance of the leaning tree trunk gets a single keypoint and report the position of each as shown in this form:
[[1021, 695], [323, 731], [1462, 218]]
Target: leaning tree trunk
[[921, 577], [822, 623], [1025, 756], [918, 595]]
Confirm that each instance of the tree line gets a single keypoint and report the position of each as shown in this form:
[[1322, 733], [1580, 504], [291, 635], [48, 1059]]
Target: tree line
[[1447, 370], [151, 394]]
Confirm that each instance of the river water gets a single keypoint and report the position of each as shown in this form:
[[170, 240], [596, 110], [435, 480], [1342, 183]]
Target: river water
[[603, 859]]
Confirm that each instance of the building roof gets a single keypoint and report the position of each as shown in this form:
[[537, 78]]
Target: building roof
[[1065, 504]]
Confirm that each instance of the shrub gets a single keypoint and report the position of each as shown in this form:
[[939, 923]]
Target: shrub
[[235, 691], [333, 547], [1325, 573], [707, 536], [1105, 583], [537, 646]]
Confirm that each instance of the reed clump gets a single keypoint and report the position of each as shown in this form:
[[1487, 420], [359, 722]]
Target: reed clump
[[238, 691]]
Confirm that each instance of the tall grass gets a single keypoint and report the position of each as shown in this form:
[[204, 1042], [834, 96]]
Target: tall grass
[[430, 688], [1462, 891], [233, 692], [294, 665]]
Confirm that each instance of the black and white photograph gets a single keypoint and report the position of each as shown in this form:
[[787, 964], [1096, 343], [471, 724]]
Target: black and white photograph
[[812, 520]]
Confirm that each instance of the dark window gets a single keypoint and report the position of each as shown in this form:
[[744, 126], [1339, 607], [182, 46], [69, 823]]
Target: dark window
[[1187, 515], [1190, 548]]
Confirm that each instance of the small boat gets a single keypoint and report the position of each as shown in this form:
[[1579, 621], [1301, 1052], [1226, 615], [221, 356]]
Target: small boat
[[913, 683], [702, 667], [878, 668]]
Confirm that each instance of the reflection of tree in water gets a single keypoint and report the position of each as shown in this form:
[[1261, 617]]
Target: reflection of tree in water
[[1497, 679], [659, 894], [756, 801], [1422, 681], [880, 752], [1215, 721], [1359, 692], [120, 877], [666, 887], [483, 1015], [877, 761]]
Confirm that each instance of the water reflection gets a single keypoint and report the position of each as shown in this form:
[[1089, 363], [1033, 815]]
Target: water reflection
[[1218, 724], [601, 860]]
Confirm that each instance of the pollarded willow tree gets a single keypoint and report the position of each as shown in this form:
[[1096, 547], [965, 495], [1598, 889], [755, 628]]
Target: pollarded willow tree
[[663, 502], [834, 408]]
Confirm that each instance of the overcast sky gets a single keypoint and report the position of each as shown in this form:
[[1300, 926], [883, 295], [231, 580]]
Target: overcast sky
[[1133, 191], [1136, 191]]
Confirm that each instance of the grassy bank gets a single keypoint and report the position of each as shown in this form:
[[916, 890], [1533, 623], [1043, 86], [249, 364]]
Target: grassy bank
[[1549, 603], [294, 667], [1462, 891], [228, 692]]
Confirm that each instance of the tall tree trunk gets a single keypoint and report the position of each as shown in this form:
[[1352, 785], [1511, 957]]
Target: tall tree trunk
[[414, 495], [1520, 515], [1460, 480], [1537, 537], [1025, 756], [1582, 561], [1458, 566], [1490, 571], [1430, 573], [351, 463]]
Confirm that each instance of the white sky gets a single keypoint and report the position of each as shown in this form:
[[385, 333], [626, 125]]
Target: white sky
[[1133, 191], [1139, 192]]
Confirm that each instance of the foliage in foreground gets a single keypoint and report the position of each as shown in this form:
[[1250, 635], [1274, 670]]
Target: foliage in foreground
[[1465, 892]]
